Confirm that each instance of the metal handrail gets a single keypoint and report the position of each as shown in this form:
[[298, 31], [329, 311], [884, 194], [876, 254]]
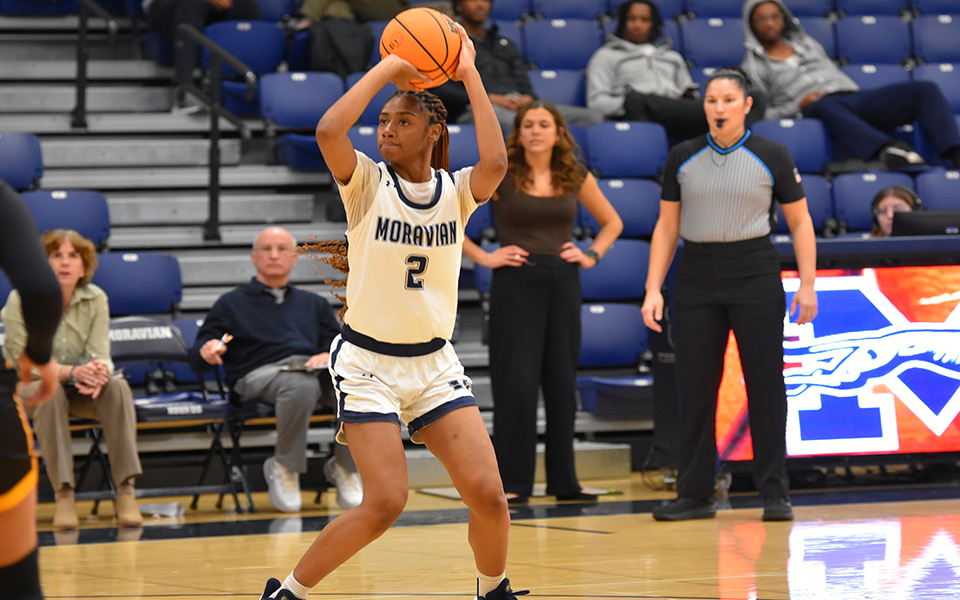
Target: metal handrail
[[79, 115], [211, 229]]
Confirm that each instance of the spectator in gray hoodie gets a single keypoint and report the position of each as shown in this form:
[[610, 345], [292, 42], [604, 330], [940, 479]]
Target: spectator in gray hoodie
[[635, 76], [800, 80]]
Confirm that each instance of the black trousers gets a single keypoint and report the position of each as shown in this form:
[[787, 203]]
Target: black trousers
[[723, 287], [683, 118], [535, 343], [165, 15]]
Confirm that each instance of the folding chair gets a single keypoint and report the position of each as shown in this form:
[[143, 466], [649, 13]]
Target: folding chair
[[21, 160], [647, 143], [258, 44], [84, 211], [853, 192], [291, 105], [807, 140], [561, 43], [857, 40], [160, 344]]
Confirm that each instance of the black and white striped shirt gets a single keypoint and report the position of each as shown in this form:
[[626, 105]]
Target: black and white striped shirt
[[728, 195]]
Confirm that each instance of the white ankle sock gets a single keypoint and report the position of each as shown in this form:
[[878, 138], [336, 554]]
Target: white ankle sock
[[299, 590], [488, 583]]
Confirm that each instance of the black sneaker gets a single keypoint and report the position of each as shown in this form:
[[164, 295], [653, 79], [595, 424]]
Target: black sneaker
[[894, 157], [777, 509], [682, 509], [503, 592], [272, 591]]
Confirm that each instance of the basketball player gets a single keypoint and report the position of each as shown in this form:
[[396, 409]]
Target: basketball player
[[393, 362], [25, 262]]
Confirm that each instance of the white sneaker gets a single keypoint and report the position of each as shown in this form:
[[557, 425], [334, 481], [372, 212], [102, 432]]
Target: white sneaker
[[349, 485], [283, 485]]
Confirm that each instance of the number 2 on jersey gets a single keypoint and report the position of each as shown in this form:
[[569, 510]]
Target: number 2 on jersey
[[418, 264]]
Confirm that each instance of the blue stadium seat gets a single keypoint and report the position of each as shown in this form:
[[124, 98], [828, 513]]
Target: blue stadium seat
[[936, 7], [608, 143], [707, 9], [811, 8], [364, 139], [922, 143], [510, 10], [377, 28], [463, 146], [620, 276], [637, 202], [21, 160], [560, 86], [612, 335], [296, 101], [822, 30], [819, 202], [140, 283], [258, 44], [277, 10], [669, 9], [371, 114], [713, 42], [561, 43], [671, 29], [513, 31], [298, 53], [853, 192], [569, 9], [5, 288], [84, 211], [579, 135], [481, 225], [935, 38], [873, 76], [873, 7], [939, 189], [857, 39], [701, 75], [807, 140], [945, 75], [28, 7], [483, 276]]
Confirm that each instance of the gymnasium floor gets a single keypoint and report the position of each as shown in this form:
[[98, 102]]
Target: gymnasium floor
[[869, 542]]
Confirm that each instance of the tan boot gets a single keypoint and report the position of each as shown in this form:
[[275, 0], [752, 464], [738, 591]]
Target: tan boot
[[128, 513], [65, 512]]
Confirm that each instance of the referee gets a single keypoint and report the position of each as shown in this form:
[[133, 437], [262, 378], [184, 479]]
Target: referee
[[720, 193]]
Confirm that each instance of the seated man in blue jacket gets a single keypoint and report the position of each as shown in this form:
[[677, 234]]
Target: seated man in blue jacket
[[254, 332]]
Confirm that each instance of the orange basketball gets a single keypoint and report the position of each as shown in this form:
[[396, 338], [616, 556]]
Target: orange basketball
[[426, 38]]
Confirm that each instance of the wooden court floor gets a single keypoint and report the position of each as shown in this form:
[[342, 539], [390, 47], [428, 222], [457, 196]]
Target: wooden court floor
[[881, 544]]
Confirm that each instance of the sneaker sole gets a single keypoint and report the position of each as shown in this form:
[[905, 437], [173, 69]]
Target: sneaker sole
[[688, 516]]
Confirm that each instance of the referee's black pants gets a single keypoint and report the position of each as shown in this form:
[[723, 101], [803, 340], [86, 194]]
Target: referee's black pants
[[722, 287], [535, 343]]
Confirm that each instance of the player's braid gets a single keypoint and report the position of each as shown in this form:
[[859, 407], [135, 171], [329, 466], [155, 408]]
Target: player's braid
[[337, 251], [440, 159]]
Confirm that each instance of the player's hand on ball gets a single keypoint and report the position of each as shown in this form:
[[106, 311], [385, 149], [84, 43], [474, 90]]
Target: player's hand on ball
[[468, 55], [404, 74]]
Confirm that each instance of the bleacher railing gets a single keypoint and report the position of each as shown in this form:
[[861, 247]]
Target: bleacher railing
[[211, 99], [79, 115]]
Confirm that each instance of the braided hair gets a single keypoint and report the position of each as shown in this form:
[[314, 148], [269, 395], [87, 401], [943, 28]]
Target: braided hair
[[334, 252]]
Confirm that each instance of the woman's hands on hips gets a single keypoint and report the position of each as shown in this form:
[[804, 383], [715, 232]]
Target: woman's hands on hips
[[508, 256], [572, 253]]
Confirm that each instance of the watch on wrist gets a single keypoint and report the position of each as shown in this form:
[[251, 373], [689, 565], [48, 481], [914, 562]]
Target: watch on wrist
[[592, 254]]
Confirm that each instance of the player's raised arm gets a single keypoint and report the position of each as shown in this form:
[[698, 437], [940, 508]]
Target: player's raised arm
[[489, 172], [332, 129]]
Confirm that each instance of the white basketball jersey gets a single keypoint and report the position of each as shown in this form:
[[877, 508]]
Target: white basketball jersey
[[404, 252]]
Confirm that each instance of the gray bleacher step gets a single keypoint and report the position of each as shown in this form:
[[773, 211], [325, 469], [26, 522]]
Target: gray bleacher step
[[46, 23], [201, 299], [234, 244], [140, 123], [97, 70], [63, 46], [47, 97], [180, 208], [233, 267], [238, 176], [593, 461], [90, 151]]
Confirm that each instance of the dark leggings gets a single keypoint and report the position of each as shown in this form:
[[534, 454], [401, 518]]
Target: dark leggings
[[15, 459], [535, 343], [722, 287]]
